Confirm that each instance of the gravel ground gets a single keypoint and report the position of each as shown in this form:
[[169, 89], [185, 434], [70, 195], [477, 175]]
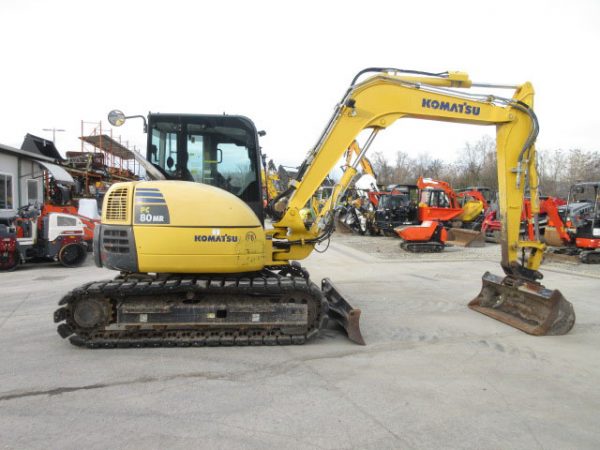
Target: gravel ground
[[389, 248]]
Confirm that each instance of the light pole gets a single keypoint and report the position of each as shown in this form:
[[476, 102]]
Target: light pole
[[54, 130]]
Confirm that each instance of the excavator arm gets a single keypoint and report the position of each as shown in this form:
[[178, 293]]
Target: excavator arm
[[379, 101]]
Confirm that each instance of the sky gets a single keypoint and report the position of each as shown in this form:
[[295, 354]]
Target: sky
[[286, 65]]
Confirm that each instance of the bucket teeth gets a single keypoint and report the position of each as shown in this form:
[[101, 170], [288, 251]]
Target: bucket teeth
[[525, 305]]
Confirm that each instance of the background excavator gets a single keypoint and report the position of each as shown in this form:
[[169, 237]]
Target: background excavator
[[491, 224], [443, 216], [395, 207], [355, 213], [573, 229], [270, 179], [198, 267]]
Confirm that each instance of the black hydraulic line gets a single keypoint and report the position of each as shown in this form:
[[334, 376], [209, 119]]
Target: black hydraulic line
[[393, 69], [535, 129]]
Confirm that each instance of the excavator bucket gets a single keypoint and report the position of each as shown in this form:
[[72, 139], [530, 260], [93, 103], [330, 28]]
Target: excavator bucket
[[525, 305], [465, 238], [342, 312]]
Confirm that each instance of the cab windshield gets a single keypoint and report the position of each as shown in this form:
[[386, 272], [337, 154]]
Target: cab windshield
[[220, 151], [394, 201]]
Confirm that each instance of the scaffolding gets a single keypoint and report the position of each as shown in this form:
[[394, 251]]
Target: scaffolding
[[103, 159]]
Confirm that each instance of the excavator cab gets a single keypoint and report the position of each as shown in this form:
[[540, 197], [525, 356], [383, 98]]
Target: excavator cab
[[218, 150]]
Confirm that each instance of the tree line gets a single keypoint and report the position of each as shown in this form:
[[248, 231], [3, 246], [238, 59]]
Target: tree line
[[476, 166]]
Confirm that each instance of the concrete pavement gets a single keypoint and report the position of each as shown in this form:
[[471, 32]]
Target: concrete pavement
[[434, 374]]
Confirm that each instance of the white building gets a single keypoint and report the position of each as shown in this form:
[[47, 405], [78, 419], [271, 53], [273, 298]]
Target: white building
[[21, 178]]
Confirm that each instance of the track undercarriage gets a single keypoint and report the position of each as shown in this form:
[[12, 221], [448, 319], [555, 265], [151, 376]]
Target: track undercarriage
[[140, 310], [422, 247]]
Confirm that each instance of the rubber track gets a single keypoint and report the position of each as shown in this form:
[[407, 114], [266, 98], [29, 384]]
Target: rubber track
[[422, 247], [120, 289]]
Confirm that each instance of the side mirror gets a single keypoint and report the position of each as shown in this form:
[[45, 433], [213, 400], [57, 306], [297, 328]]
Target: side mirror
[[116, 118]]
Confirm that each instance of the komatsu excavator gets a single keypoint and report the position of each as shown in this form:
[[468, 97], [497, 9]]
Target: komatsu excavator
[[198, 267]]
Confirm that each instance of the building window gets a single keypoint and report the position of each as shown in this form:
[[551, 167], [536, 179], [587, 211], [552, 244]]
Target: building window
[[6, 191], [32, 192]]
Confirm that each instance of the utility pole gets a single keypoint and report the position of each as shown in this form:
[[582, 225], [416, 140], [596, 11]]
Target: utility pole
[[54, 130]]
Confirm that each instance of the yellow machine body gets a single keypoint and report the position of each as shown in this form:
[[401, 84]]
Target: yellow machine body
[[471, 210], [186, 227]]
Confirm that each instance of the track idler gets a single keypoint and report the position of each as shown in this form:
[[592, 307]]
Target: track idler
[[525, 305], [342, 312]]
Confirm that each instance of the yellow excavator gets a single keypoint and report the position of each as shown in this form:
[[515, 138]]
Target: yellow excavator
[[365, 163], [269, 179], [198, 267]]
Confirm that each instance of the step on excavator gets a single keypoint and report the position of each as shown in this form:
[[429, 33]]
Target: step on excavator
[[198, 267]]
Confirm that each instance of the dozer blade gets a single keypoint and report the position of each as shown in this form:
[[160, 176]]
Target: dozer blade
[[466, 238], [525, 305], [342, 312]]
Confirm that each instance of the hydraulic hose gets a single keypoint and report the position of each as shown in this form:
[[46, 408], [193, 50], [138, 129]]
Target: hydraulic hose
[[393, 69]]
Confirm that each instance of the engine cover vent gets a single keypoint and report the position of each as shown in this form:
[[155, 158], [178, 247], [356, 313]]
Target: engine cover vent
[[116, 204]]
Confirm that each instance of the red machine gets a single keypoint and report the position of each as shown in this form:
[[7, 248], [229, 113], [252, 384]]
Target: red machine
[[482, 193], [491, 225], [89, 224], [38, 234], [438, 206], [574, 228], [430, 237], [437, 201]]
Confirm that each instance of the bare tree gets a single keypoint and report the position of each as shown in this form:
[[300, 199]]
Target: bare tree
[[382, 168], [551, 166], [403, 170], [476, 165], [475, 160]]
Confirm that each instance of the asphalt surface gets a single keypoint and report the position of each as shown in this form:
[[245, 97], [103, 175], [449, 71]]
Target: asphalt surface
[[434, 374]]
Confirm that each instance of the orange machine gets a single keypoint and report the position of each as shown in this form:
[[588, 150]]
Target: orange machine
[[437, 201], [438, 206], [574, 229], [428, 237]]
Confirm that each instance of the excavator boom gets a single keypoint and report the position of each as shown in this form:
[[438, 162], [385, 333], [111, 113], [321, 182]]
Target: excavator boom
[[389, 95]]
